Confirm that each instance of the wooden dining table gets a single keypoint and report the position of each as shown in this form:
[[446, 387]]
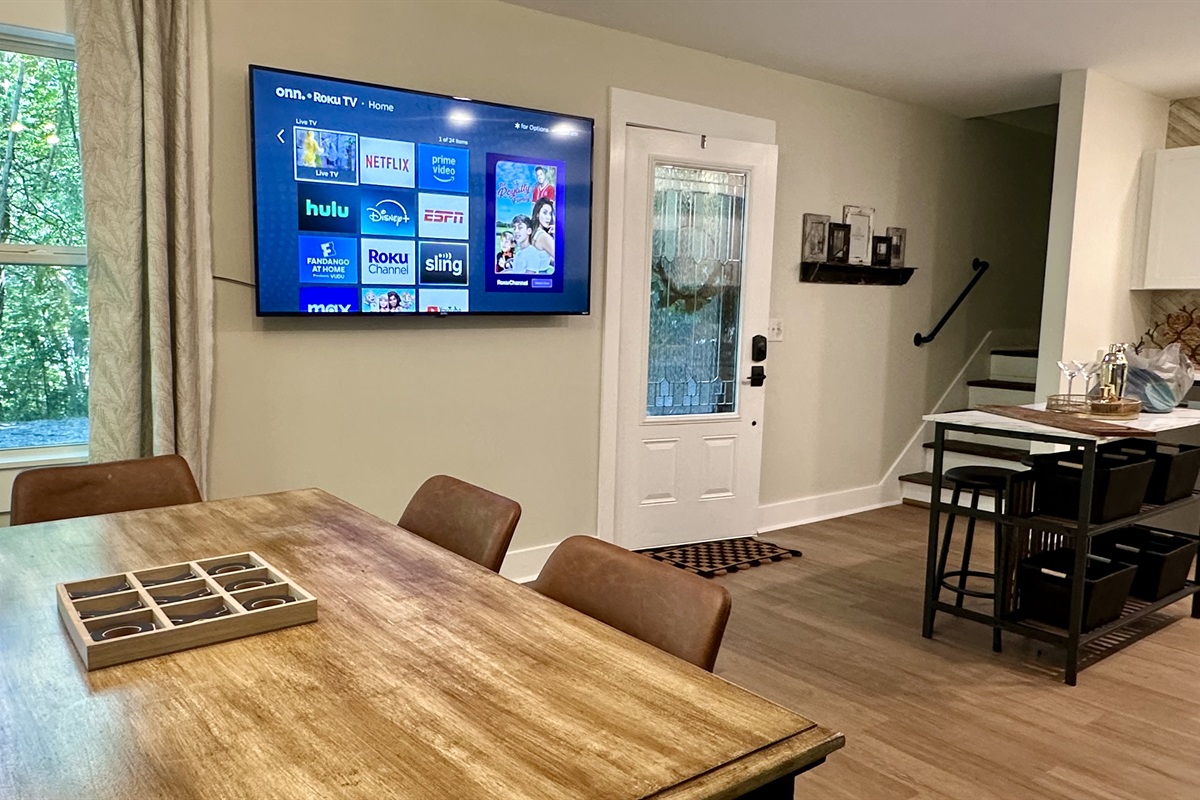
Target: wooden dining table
[[425, 677]]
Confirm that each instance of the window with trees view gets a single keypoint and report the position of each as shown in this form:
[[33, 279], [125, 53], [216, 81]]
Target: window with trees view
[[43, 274]]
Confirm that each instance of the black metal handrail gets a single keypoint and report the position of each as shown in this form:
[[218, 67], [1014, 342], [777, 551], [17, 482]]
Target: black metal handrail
[[980, 266]]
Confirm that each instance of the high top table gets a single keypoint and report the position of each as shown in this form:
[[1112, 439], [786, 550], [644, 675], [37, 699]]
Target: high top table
[[1076, 533], [426, 677]]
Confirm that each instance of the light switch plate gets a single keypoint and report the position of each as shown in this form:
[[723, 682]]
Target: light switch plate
[[775, 330]]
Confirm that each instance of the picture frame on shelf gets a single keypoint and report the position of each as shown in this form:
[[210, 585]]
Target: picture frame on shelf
[[862, 227], [881, 251], [898, 236], [815, 237], [839, 243]]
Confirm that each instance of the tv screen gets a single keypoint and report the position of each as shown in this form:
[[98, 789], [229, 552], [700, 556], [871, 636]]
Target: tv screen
[[372, 200]]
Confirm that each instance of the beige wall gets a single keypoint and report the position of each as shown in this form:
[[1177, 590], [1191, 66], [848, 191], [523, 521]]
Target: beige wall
[[367, 410], [46, 15], [1104, 128]]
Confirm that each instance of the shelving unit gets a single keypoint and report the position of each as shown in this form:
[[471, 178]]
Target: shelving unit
[[1082, 648], [855, 274]]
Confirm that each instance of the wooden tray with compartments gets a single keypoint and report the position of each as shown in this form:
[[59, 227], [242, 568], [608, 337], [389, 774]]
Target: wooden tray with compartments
[[152, 612]]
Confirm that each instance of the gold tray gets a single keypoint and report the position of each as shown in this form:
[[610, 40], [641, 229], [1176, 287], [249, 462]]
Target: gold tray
[[1081, 405]]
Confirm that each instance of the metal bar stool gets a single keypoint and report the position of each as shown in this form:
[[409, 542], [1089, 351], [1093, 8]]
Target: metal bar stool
[[976, 479]]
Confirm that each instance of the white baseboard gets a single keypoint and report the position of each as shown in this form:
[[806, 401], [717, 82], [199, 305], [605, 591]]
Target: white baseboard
[[524, 565], [887, 492], [803, 510]]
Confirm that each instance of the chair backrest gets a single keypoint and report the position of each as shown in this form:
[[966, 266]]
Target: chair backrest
[[49, 493], [464, 519], [673, 610]]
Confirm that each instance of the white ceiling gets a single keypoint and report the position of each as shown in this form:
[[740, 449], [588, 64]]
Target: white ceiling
[[967, 57]]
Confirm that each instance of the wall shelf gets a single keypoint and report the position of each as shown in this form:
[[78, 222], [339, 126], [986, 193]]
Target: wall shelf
[[856, 274]]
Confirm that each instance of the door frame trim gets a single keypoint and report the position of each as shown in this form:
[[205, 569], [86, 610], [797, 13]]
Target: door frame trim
[[634, 109]]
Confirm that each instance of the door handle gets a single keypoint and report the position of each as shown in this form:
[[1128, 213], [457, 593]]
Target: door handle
[[758, 376]]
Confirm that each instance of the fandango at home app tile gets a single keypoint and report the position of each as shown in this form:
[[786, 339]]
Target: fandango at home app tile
[[444, 263], [388, 212], [323, 207], [390, 261], [443, 216], [328, 299], [328, 259], [387, 162], [443, 169]]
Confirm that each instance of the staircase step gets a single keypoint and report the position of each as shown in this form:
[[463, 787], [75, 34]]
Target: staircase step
[[1012, 368], [977, 454], [1016, 352], [982, 450], [987, 396], [916, 490], [926, 479], [1016, 386], [983, 438]]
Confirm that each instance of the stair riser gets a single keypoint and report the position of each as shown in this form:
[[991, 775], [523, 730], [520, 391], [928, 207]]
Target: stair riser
[[988, 396], [951, 460], [983, 438], [1013, 368], [915, 491]]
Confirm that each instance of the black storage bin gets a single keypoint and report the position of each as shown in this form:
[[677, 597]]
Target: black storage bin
[[1044, 583], [1176, 467], [1163, 559], [1118, 490]]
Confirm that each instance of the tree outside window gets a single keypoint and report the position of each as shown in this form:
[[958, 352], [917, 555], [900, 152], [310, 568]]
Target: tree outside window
[[43, 274]]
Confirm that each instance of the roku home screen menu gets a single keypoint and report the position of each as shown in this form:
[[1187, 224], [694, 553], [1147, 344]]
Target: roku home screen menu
[[375, 200]]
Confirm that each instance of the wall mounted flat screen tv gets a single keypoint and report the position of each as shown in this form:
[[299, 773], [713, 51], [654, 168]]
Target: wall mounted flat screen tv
[[372, 200]]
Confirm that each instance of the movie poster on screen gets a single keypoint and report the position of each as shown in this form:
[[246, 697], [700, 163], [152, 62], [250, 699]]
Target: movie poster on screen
[[524, 218]]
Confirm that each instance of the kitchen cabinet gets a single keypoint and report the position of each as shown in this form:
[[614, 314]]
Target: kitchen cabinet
[[1167, 254]]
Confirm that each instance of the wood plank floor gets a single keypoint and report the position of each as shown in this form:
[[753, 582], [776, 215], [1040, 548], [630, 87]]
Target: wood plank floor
[[836, 635]]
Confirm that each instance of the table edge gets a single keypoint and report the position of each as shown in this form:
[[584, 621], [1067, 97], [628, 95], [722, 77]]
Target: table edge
[[758, 767]]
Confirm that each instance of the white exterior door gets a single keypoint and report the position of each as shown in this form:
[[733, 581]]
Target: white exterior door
[[699, 223]]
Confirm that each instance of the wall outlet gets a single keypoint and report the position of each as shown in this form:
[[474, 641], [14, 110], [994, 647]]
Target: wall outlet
[[775, 330]]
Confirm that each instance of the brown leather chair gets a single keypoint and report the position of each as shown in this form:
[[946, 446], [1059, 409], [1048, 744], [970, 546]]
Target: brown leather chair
[[464, 519], [673, 610], [49, 493]]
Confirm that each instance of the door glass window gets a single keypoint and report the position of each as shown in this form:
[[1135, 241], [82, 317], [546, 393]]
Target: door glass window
[[695, 290]]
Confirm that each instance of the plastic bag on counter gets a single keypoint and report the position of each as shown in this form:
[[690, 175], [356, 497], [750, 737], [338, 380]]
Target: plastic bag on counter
[[1159, 378]]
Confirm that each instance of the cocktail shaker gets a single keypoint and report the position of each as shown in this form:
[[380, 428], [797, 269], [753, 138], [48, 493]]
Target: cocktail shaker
[[1114, 369]]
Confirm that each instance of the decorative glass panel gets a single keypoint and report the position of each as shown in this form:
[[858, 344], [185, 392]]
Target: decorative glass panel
[[695, 290]]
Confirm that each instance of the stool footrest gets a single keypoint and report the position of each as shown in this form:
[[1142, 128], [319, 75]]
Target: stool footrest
[[970, 573]]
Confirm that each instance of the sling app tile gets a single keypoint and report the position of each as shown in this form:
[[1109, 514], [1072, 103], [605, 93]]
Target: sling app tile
[[444, 263]]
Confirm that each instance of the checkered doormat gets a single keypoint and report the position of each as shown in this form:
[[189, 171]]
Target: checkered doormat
[[709, 559]]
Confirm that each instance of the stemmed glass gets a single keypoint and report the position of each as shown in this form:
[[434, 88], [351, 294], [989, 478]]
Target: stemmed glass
[[1070, 371], [1089, 370]]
